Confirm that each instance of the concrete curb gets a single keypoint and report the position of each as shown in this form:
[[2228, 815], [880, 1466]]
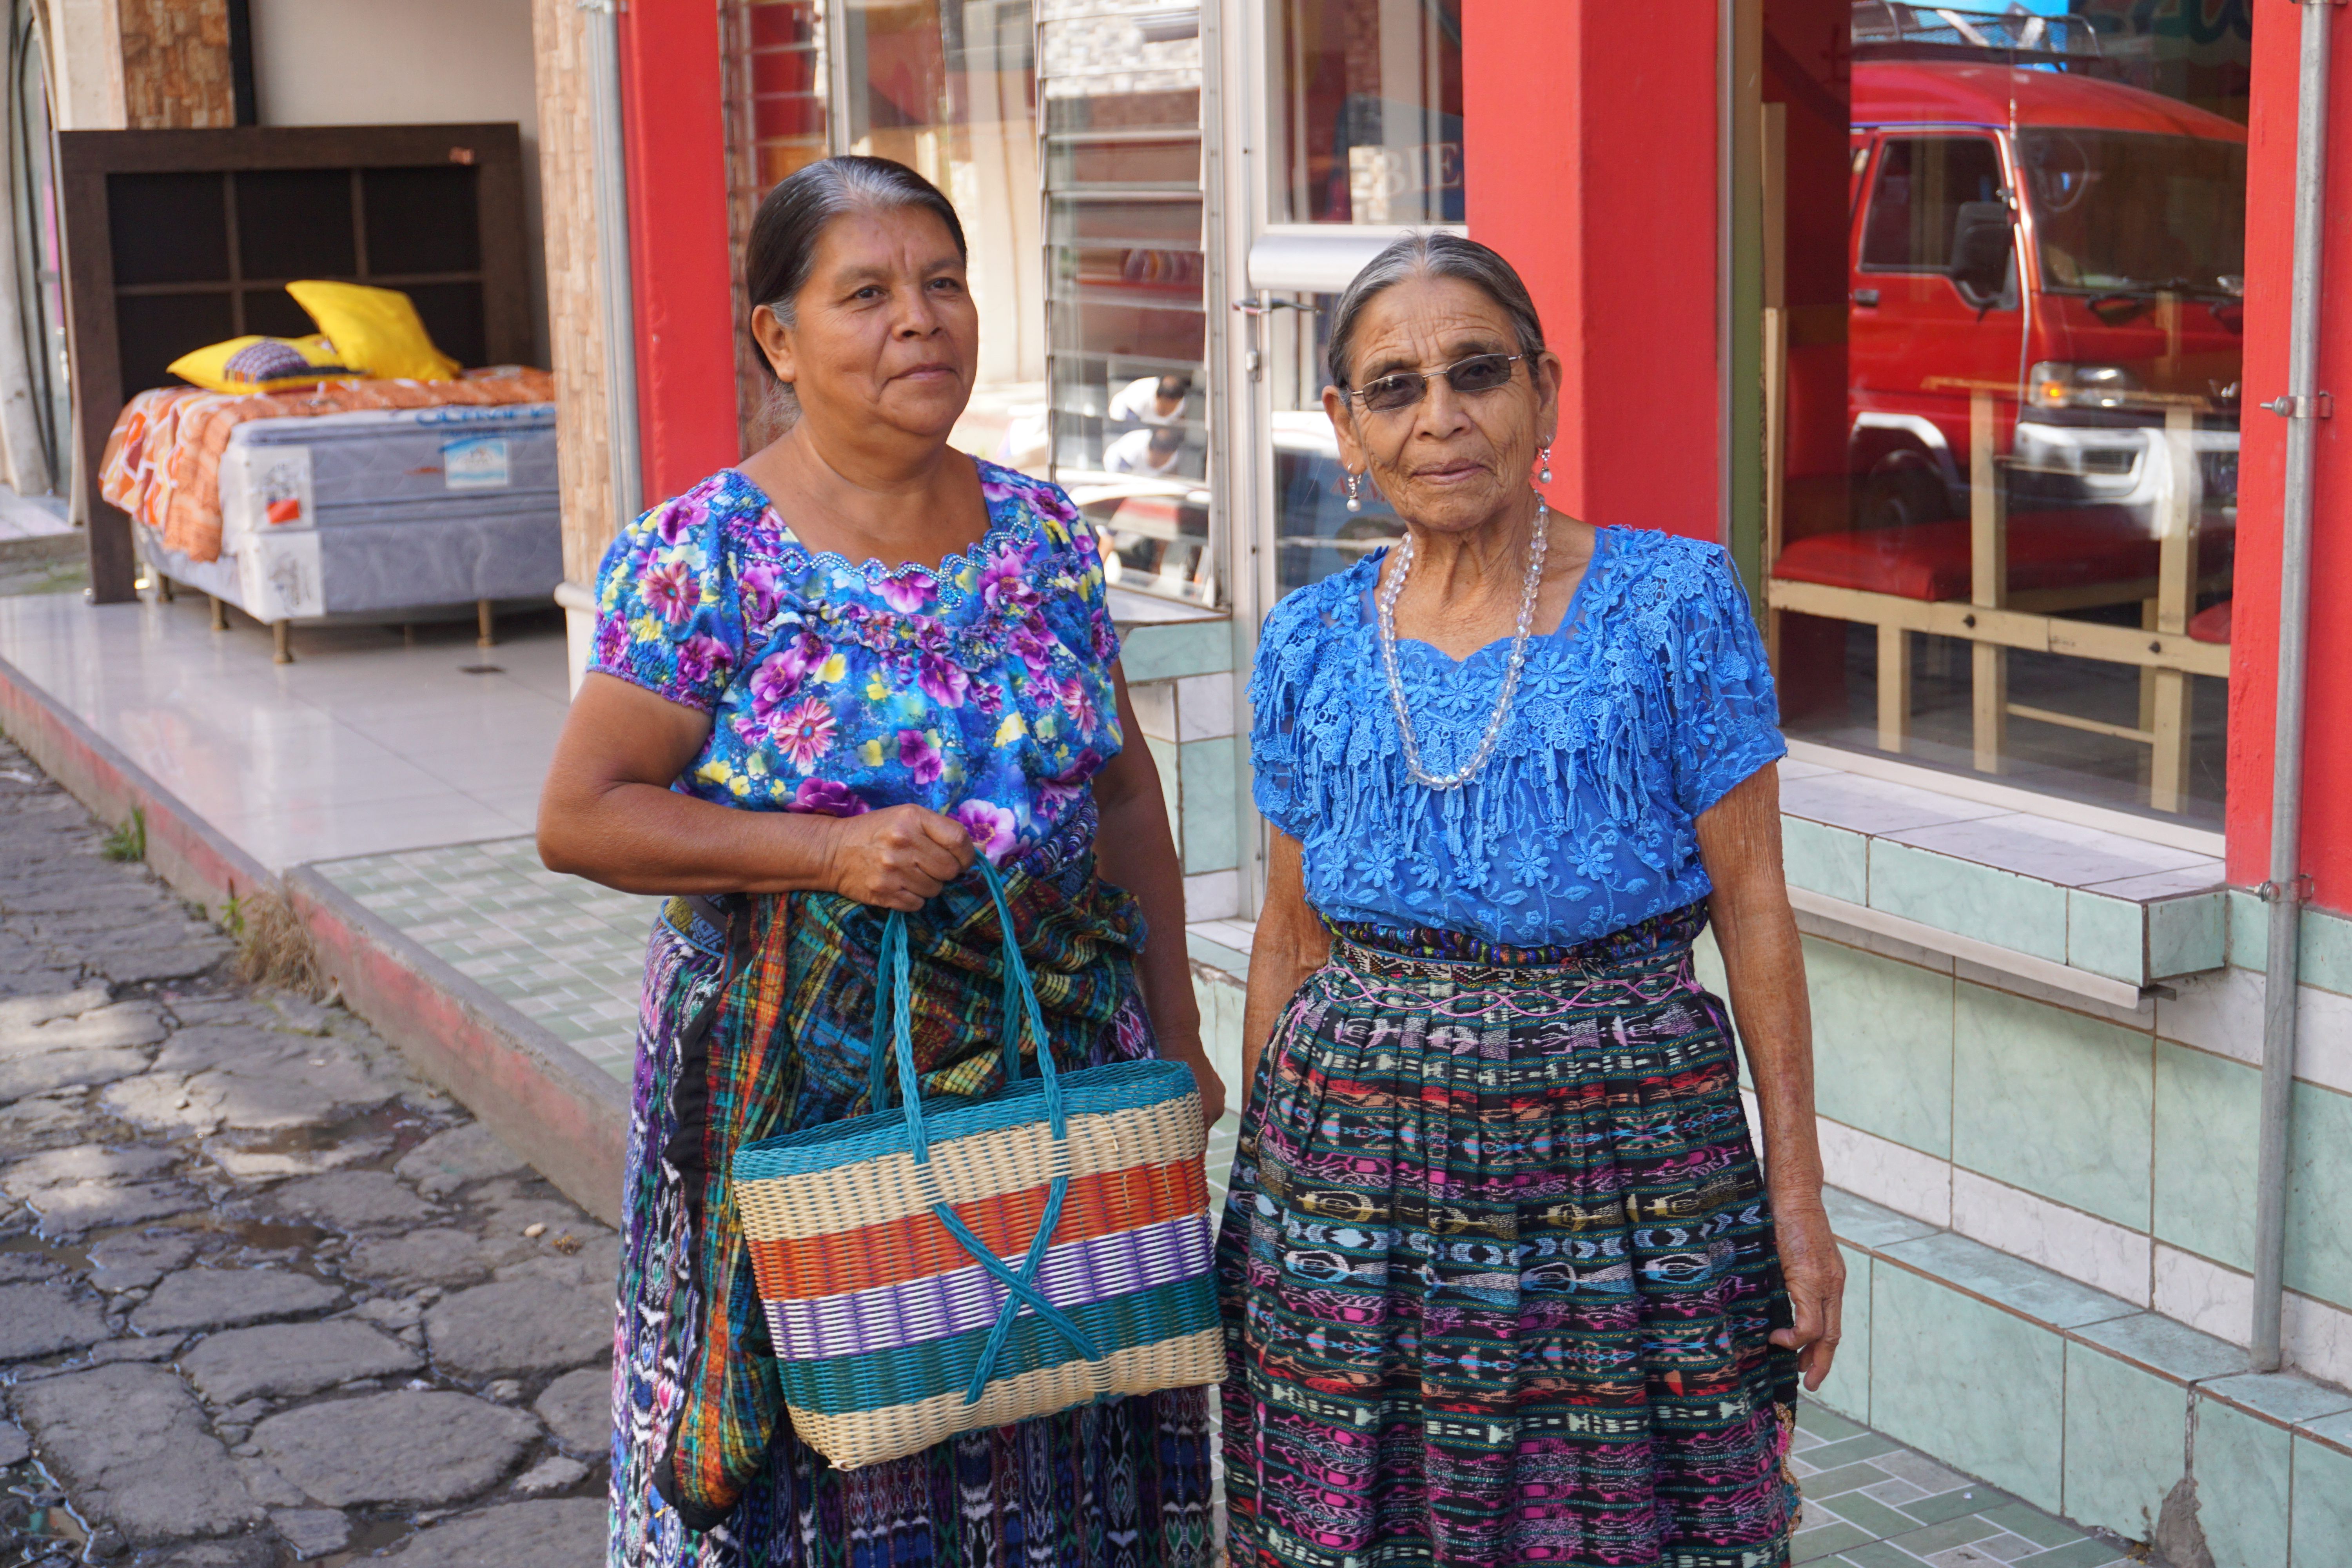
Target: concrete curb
[[547, 1101], [194, 859]]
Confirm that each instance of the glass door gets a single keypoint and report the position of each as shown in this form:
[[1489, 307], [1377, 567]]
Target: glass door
[[1127, 265]]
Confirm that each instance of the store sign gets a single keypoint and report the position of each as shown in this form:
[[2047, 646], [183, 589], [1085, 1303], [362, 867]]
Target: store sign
[[1392, 184]]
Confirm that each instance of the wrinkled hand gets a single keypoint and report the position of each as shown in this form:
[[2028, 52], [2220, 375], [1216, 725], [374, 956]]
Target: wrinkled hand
[[1188, 1050], [1814, 1272], [898, 857]]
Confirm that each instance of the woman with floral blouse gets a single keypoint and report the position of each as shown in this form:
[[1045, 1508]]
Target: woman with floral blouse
[[823, 682]]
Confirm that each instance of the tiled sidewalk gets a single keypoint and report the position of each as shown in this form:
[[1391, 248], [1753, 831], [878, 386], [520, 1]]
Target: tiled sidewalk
[[1872, 1503], [565, 953]]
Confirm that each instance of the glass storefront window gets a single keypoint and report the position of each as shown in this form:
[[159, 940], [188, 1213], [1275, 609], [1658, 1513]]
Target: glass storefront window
[[944, 87], [1371, 111], [2020, 564], [774, 67], [1126, 268]]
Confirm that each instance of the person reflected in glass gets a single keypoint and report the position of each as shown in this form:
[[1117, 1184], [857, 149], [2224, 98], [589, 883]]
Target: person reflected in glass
[[1503, 1279], [1152, 400], [824, 683], [1156, 453]]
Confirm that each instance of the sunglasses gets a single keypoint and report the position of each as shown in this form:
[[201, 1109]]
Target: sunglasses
[[1473, 377]]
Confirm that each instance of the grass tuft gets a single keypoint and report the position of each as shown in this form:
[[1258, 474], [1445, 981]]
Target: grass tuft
[[129, 840]]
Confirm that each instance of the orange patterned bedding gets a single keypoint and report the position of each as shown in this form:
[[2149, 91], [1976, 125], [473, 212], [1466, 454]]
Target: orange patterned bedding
[[161, 464]]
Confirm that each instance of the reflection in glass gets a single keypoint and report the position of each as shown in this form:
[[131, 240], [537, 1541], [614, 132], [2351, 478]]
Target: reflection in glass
[[772, 64], [1371, 112], [1127, 271], [2044, 350]]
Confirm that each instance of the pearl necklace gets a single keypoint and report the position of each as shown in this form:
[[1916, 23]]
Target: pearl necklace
[[1387, 601]]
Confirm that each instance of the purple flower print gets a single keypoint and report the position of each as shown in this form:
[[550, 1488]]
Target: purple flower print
[[1003, 581], [918, 757], [682, 518], [991, 828], [804, 734], [1076, 701], [762, 599], [669, 589], [824, 797], [698, 657], [613, 643], [942, 681], [1034, 643], [1071, 782], [779, 676], [908, 592]]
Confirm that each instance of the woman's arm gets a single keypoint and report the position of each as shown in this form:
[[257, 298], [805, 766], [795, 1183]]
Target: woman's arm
[[1291, 944], [1135, 850], [1739, 841], [607, 813]]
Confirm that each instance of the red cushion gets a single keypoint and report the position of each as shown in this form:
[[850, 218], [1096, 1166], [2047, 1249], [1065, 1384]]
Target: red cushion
[[2213, 624], [2077, 547]]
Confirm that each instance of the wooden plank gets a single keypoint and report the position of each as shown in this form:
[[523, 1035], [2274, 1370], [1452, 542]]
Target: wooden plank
[[575, 282], [1893, 689], [2007, 628], [2167, 775], [93, 352]]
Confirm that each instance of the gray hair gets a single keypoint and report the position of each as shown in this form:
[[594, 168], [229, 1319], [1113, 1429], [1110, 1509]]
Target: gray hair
[[780, 251], [1433, 254]]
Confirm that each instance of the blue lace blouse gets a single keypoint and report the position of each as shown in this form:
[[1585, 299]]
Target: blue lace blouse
[[1645, 708]]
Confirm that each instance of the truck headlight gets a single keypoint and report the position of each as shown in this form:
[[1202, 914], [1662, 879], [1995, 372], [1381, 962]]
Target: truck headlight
[[2054, 384]]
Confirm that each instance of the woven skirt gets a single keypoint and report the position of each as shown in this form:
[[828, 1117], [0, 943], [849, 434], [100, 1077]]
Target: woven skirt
[[1117, 1484], [1497, 1269]]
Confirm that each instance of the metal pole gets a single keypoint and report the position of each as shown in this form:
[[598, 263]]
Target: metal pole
[[2303, 404], [622, 466]]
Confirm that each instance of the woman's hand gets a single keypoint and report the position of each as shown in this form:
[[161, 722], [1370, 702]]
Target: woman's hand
[[1814, 1273], [1188, 1050], [896, 858]]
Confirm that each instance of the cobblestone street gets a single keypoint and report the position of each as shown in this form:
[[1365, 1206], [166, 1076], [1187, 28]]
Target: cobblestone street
[[264, 1297]]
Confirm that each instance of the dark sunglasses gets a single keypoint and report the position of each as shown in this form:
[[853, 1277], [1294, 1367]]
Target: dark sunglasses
[[1473, 377]]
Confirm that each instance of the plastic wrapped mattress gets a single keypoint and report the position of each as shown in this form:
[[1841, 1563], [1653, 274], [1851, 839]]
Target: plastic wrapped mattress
[[384, 510]]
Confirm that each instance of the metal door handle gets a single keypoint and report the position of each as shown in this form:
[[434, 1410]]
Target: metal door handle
[[1867, 297]]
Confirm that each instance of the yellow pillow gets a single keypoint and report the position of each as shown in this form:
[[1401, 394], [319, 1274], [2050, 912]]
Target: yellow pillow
[[377, 329], [262, 364]]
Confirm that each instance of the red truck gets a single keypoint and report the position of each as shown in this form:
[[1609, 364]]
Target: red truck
[[2077, 242]]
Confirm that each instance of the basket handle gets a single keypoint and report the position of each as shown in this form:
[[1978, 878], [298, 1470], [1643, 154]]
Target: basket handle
[[894, 989], [1020, 1003]]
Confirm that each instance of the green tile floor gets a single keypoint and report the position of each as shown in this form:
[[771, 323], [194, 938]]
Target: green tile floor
[[1872, 1503], [569, 955], [565, 953]]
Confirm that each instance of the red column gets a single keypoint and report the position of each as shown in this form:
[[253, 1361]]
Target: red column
[[2253, 662], [1589, 147], [680, 268]]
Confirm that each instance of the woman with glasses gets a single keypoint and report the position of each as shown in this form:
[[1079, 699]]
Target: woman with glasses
[[1505, 1280]]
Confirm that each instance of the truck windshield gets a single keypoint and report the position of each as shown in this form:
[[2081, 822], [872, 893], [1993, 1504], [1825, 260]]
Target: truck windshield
[[2122, 212]]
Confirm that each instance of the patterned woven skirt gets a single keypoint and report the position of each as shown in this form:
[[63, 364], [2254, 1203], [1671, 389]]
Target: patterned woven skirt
[[1497, 1269], [1120, 1484]]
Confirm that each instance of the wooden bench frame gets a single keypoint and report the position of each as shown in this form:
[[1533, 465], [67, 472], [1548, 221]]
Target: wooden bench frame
[[1994, 621]]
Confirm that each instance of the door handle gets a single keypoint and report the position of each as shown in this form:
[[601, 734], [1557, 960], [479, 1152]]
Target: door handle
[[1866, 297]]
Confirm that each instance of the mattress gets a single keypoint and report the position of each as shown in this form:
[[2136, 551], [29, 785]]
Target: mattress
[[392, 509]]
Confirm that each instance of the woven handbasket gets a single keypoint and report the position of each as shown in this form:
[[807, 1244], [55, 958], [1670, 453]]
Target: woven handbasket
[[955, 1264]]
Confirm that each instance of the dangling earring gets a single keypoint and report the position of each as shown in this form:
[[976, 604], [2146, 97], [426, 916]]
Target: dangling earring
[[1355, 492], [1544, 476]]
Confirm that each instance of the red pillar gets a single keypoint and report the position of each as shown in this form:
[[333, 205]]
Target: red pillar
[[1591, 148], [2253, 655], [680, 268]]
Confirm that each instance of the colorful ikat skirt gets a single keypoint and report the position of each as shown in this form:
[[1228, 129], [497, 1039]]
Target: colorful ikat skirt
[[1497, 1269]]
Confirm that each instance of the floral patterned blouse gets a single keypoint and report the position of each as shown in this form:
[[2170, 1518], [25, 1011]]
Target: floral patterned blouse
[[979, 688]]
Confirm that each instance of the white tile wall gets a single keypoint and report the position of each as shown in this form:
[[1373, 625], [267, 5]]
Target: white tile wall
[[2099, 1253], [1213, 895], [1204, 706], [2222, 1013]]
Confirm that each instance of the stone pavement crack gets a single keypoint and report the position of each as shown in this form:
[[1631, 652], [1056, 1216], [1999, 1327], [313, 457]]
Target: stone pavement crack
[[265, 1297]]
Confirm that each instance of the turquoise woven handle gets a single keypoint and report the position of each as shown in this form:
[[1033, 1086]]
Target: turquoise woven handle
[[1018, 993], [894, 988]]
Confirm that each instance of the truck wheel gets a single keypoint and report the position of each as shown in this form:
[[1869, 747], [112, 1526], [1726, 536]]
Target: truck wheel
[[1899, 492]]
